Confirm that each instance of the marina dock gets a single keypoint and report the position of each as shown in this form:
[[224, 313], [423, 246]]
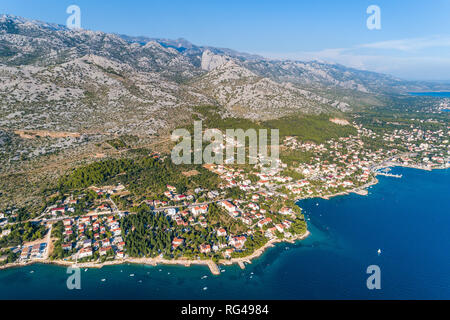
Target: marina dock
[[389, 174], [213, 268]]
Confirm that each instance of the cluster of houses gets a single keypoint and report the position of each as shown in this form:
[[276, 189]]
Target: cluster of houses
[[191, 216], [34, 252], [233, 177], [67, 208], [106, 237], [428, 149], [172, 195], [345, 163], [4, 216], [249, 211], [345, 171]]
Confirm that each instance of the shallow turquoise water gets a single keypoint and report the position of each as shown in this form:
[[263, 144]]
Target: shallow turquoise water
[[408, 218]]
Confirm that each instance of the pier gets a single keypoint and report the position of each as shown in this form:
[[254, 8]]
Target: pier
[[213, 268], [388, 174], [361, 192]]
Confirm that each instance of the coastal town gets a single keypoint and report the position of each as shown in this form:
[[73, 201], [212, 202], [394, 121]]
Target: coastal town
[[215, 159], [249, 210]]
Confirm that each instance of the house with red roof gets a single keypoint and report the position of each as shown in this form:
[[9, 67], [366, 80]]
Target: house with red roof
[[221, 232], [237, 242], [286, 211], [228, 206], [59, 210], [205, 248], [177, 242], [85, 252], [264, 222], [198, 210], [171, 188]]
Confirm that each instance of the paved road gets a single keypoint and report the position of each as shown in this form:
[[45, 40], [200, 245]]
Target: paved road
[[48, 241], [114, 212], [190, 206]]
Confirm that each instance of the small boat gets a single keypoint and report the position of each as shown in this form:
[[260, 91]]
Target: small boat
[[317, 204], [140, 281], [85, 270], [204, 277], [31, 271], [379, 252], [168, 272], [223, 270], [103, 280], [132, 275], [205, 288]]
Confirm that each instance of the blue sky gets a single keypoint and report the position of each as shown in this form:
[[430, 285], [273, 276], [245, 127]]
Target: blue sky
[[413, 43]]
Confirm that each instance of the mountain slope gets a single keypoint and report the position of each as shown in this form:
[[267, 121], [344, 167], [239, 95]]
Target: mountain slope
[[59, 79], [90, 93], [248, 95], [309, 75], [55, 78]]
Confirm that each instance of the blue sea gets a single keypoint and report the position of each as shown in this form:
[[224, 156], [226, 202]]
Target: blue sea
[[431, 94], [408, 219]]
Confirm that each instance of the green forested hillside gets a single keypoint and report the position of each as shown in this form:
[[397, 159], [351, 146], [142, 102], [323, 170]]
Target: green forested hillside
[[317, 128], [141, 175]]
